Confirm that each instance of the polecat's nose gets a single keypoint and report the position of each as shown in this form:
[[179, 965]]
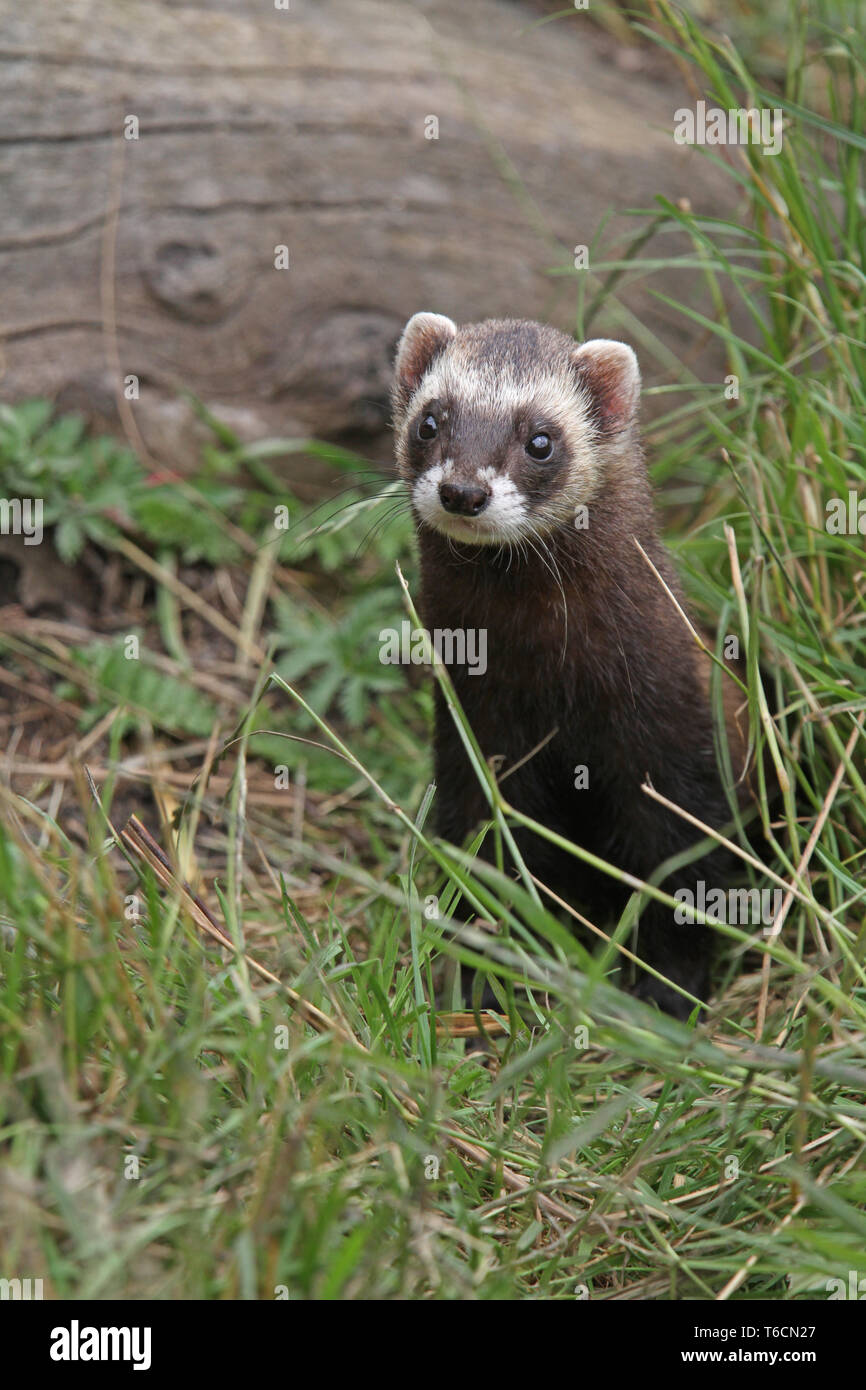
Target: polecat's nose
[[463, 501]]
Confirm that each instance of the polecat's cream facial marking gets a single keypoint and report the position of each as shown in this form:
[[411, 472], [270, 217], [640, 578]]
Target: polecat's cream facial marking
[[491, 511], [504, 428]]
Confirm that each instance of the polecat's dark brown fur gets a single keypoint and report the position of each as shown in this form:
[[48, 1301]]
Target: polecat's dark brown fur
[[505, 431]]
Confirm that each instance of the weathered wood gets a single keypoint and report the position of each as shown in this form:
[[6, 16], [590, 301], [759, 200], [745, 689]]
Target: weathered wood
[[261, 127]]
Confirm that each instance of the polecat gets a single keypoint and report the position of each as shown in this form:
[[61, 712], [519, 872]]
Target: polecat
[[519, 448]]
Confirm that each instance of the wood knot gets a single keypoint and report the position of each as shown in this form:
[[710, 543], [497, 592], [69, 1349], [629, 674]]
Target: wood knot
[[195, 278]]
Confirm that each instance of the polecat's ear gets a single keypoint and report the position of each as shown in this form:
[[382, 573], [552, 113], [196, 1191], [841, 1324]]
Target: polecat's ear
[[610, 374], [424, 337]]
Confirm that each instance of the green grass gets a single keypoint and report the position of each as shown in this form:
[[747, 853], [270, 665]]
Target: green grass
[[176, 1124]]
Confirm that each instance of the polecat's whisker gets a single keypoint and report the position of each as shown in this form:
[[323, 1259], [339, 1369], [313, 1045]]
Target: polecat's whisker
[[401, 508], [383, 484]]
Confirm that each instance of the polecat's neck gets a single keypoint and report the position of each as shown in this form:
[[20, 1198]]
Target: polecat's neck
[[587, 600]]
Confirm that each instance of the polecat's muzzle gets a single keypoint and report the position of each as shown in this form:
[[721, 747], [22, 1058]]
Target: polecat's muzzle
[[462, 500]]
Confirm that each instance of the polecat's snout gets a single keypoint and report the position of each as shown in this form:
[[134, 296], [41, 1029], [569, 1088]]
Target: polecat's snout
[[474, 505], [463, 501]]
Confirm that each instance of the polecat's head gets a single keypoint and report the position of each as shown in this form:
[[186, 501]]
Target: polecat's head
[[504, 428]]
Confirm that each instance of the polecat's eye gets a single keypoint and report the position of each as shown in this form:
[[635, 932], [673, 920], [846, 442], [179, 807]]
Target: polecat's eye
[[540, 447], [428, 428]]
